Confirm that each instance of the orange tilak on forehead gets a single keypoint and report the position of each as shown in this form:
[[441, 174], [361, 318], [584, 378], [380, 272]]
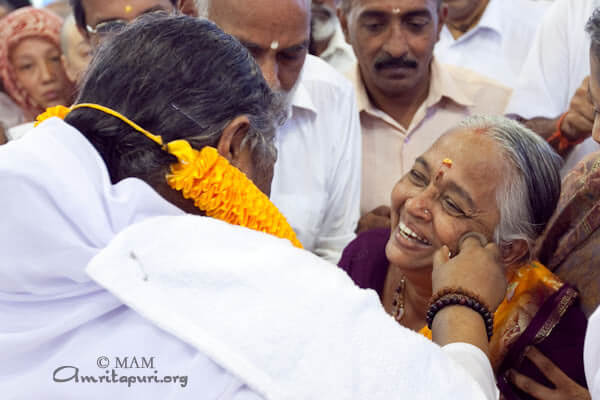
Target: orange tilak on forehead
[[445, 163], [128, 9]]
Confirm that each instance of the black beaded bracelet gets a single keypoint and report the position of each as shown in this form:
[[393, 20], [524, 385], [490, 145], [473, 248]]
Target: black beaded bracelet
[[451, 299]]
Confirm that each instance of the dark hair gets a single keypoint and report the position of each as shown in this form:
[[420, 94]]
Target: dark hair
[[79, 12], [178, 77]]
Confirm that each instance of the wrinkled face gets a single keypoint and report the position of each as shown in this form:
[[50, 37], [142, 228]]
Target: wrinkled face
[[459, 10], [393, 41], [594, 92], [438, 201], [276, 32], [77, 55], [99, 12], [323, 19], [38, 69]]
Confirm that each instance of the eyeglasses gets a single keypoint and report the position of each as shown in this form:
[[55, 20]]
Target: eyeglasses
[[107, 28]]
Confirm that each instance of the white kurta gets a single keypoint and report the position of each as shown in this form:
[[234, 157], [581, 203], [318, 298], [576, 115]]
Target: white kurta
[[557, 64], [591, 355], [238, 313], [317, 175]]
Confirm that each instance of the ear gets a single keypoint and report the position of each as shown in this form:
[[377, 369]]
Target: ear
[[513, 252], [230, 143], [442, 16], [344, 23]]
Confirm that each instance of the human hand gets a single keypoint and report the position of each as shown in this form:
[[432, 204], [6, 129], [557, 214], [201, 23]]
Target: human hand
[[566, 388], [475, 268], [377, 218], [579, 120]]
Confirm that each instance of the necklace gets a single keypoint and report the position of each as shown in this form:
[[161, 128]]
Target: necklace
[[398, 302]]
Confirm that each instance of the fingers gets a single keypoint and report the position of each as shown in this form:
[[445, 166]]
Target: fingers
[[382, 211], [548, 368], [530, 386], [482, 240], [371, 221], [441, 256]]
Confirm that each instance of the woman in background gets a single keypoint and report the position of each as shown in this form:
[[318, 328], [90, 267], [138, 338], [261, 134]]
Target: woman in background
[[30, 66]]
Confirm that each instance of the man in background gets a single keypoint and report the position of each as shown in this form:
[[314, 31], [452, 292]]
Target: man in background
[[491, 37], [326, 37], [317, 174], [406, 98]]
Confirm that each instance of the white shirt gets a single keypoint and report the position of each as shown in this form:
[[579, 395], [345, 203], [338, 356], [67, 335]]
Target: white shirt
[[558, 62], [317, 175], [339, 54], [498, 45], [591, 355]]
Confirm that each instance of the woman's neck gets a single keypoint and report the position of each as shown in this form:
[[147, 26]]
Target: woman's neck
[[416, 295]]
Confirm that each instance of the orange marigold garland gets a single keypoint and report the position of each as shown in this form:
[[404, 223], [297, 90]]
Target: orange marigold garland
[[218, 188], [223, 191]]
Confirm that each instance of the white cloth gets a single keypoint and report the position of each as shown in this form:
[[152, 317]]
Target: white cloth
[[289, 324], [59, 210], [558, 62], [18, 131], [317, 173], [10, 113], [329, 339], [339, 54], [591, 355], [498, 45]]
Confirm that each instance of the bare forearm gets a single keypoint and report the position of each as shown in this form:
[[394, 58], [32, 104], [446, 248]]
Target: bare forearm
[[460, 324]]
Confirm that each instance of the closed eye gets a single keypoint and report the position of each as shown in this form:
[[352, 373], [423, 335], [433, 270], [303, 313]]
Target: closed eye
[[452, 208], [417, 178]]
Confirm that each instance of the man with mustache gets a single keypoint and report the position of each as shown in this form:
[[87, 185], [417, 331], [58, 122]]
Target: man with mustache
[[406, 98], [317, 175], [326, 37]]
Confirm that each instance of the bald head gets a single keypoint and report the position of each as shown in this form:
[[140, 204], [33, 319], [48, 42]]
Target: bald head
[[276, 32]]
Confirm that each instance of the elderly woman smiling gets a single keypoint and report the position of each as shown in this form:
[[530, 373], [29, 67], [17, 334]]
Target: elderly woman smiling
[[491, 176]]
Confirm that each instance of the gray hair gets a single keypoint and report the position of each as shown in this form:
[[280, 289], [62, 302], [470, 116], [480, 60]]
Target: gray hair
[[178, 77], [592, 27], [530, 192]]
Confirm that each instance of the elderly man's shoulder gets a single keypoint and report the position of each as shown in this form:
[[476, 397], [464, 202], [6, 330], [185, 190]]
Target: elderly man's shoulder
[[487, 94], [321, 79]]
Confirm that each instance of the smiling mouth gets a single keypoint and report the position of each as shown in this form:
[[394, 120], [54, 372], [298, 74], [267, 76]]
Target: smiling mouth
[[409, 234]]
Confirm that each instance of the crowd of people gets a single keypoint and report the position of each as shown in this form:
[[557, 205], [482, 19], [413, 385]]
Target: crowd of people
[[272, 199]]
